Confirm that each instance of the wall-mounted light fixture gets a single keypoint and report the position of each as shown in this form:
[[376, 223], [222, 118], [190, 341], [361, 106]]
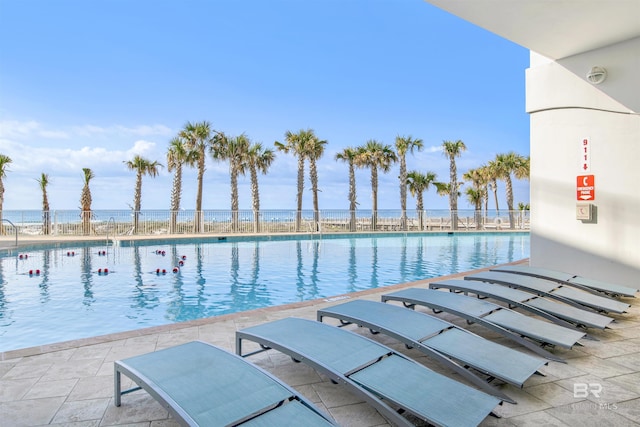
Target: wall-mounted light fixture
[[597, 75]]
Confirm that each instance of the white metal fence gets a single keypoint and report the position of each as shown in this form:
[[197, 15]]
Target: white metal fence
[[111, 223]]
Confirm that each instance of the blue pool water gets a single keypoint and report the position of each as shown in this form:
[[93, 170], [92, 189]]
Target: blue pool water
[[60, 292]]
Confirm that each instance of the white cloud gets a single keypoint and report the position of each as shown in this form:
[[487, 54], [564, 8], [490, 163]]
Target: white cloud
[[58, 161], [12, 129], [142, 148], [53, 134], [68, 161], [433, 149], [99, 148], [88, 155], [88, 130], [144, 130]]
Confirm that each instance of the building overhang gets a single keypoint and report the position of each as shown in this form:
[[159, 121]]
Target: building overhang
[[554, 28]]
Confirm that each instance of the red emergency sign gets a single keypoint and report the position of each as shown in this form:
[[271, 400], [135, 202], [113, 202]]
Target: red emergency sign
[[586, 187]]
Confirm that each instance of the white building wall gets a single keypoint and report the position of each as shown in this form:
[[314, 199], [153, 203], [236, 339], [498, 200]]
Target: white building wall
[[564, 109]]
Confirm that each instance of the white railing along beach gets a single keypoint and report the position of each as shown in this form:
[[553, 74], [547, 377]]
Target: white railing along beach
[[116, 223]]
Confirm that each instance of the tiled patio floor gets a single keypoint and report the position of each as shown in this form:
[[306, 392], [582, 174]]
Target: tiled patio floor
[[71, 384]]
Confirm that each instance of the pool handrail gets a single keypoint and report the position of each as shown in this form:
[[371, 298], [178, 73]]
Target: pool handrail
[[14, 227], [111, 219]]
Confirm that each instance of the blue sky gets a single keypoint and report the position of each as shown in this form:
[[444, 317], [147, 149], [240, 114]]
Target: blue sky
[[90, 84]]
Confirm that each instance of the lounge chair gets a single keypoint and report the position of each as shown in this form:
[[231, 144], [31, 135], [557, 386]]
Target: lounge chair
[[381, 376], [453, 347], [581, 282], [557, 312], [203, 385], [511, 324], [549, 288]]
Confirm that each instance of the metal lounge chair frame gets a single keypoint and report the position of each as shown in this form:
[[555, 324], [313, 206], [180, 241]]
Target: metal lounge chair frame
[[374, 372], [453, 347], [203, 385], [559, 313], [549, 288], [597, 287], [512, 325]]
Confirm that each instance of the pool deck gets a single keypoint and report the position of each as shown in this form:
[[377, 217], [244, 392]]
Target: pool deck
[[71, 383]]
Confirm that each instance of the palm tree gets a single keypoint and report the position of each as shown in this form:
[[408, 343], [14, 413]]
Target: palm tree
[[4, 162], [177, 156], [524, 169], [451, 150], [297, 144], [315, 150], [142, 167], [507, 164], [475, 196], [349, 155], [233, 149], [442, 188], [85, 201], [259, 159], [197, 138], [376, 156], [46, 214], [523, 208], [404, 145], [418, 183], [478, 180]]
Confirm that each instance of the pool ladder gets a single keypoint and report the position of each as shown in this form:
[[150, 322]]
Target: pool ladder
[[14, 227], [111, 220]]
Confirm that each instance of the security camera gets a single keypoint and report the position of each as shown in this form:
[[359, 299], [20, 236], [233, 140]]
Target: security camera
[[596, 75]]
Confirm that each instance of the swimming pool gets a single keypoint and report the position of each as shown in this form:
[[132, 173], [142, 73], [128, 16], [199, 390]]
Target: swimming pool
[[76, 290]]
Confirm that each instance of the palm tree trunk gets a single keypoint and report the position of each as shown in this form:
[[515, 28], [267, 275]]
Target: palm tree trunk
[[486, 206], [300, 192], [509, 191], [46, 215], [255, 198], [175, 199], [313, 174], [495, 195], [478, 214], [197, 221], [420, 208], [453, 193], [46, 222], [234, 197], [137, 197], [374, 198], [352, 197], [86, 222], [403, 193]]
